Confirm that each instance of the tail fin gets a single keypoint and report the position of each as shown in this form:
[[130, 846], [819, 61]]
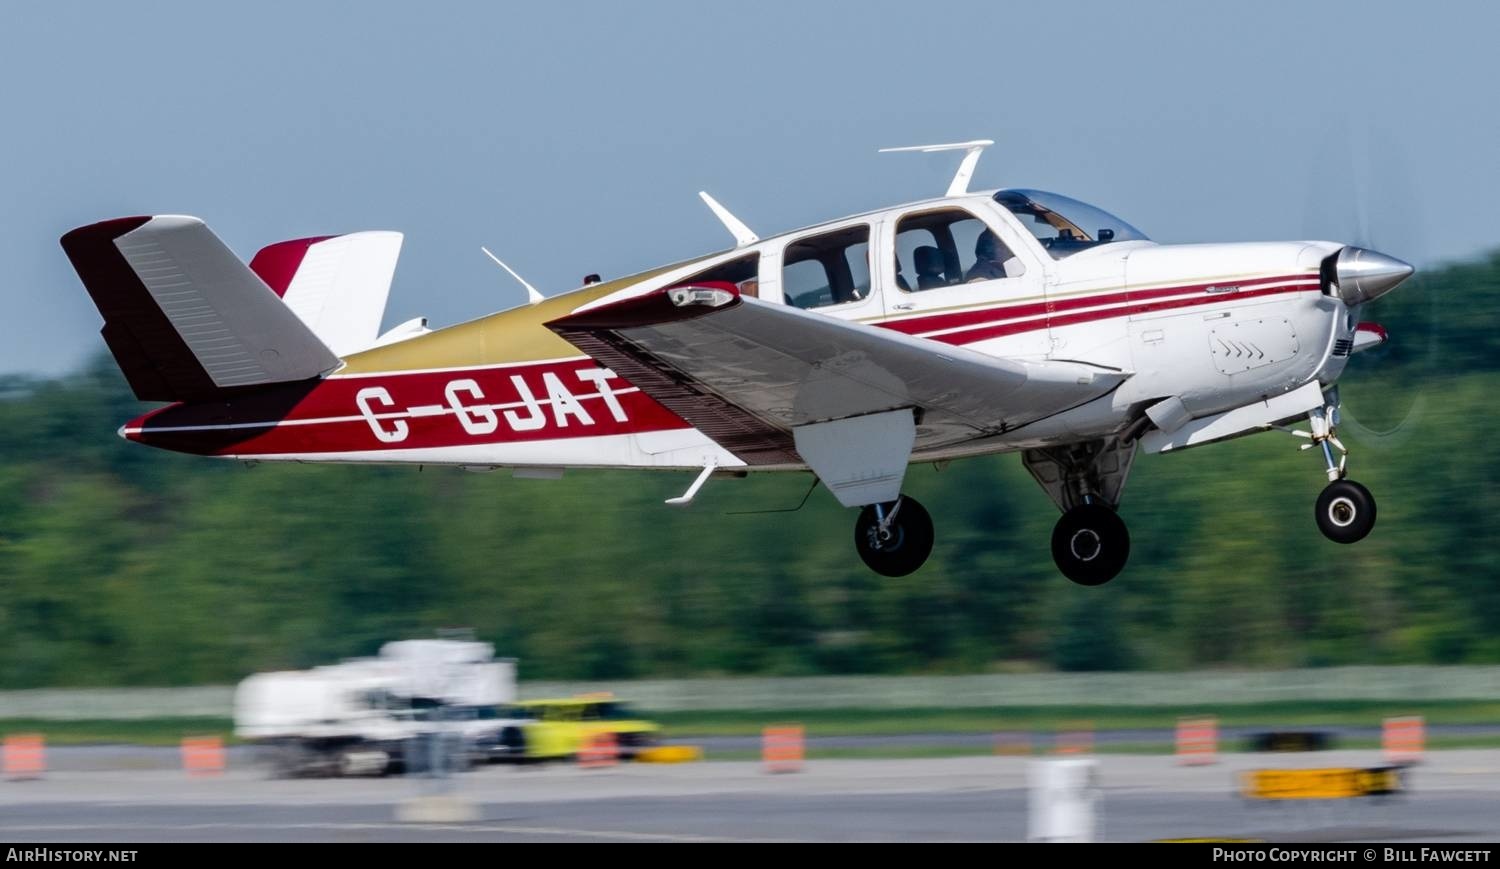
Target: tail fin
[[183, 316], [337, 284]]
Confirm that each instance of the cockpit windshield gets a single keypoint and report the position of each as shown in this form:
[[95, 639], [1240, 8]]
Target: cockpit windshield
[[1066, 226]]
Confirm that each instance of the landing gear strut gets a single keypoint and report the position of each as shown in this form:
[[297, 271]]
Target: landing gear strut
[[894, 539], [1345, 510]]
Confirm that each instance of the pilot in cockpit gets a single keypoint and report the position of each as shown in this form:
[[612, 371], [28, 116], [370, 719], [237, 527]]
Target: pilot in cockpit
[[990, 256]]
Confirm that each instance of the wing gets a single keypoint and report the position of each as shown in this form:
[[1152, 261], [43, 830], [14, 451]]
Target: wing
[[749, 374]]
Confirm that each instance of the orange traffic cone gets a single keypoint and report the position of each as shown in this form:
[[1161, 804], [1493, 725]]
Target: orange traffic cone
[[781, 748], [1197, 741], [202, 755], [1404, 739], [599, 750], [24, 756]]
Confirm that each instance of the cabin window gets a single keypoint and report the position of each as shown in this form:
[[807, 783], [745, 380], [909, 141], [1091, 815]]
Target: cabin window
[[828, 269], [948, 247], [743, 272]]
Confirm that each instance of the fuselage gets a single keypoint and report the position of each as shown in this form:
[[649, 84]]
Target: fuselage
[[1216, 325]]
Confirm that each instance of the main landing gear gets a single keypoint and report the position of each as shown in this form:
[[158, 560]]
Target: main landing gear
[[894, 539], [1090, 542], [1345, 510]]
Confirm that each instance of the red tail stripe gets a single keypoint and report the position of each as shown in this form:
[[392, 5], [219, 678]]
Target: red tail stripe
[[277, 264]]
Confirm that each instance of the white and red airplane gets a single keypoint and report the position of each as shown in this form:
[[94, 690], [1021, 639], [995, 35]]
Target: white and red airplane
[[973, 323]]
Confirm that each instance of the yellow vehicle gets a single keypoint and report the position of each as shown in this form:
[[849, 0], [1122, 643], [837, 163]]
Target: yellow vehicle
[[557, 729]]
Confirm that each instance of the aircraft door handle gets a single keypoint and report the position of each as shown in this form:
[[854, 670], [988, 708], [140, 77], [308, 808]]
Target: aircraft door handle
[[904, 306]]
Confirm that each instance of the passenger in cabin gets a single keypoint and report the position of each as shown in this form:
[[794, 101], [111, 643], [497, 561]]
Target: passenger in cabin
[[929, 268]]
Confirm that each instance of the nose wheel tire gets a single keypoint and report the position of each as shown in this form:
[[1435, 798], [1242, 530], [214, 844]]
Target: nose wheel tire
[[1090, 544], [904, 544], [1345, 511]]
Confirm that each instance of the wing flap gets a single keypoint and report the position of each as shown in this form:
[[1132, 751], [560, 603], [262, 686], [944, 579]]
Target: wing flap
[[748, 436]]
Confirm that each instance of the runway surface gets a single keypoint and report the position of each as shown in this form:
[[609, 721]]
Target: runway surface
[[1455, 796], [107, 757]]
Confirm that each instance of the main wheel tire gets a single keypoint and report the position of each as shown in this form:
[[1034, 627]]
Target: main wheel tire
[[1345, 511], [907, 544], [1090, 544]]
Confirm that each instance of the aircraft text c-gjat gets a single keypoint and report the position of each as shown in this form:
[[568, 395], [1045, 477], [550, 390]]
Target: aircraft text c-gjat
[[479, 414]]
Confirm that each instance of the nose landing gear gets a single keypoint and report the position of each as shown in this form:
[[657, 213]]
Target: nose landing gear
[[1345, 510]]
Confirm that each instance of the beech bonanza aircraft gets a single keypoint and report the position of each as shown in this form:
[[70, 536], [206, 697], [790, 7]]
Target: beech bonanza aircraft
[[973, 323]]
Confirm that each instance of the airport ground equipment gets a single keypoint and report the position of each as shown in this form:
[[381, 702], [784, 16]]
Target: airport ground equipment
[[368, 716]]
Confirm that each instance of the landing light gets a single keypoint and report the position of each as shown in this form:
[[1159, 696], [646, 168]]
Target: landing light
[[707, 296]]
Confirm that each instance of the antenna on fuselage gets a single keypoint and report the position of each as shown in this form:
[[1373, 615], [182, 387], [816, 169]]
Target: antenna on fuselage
[[532, 295], [960, 183], [737, 228]]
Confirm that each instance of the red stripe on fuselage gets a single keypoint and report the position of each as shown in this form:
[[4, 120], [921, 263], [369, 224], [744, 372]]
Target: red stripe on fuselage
[[414, 410], [1000, 330], [920, 325]]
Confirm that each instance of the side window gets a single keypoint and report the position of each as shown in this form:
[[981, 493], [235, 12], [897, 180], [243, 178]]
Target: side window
[[828, 269], [743, 272], [949, 247], [806, 284]]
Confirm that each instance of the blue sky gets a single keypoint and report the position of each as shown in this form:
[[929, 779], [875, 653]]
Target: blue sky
[[572, 137]]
